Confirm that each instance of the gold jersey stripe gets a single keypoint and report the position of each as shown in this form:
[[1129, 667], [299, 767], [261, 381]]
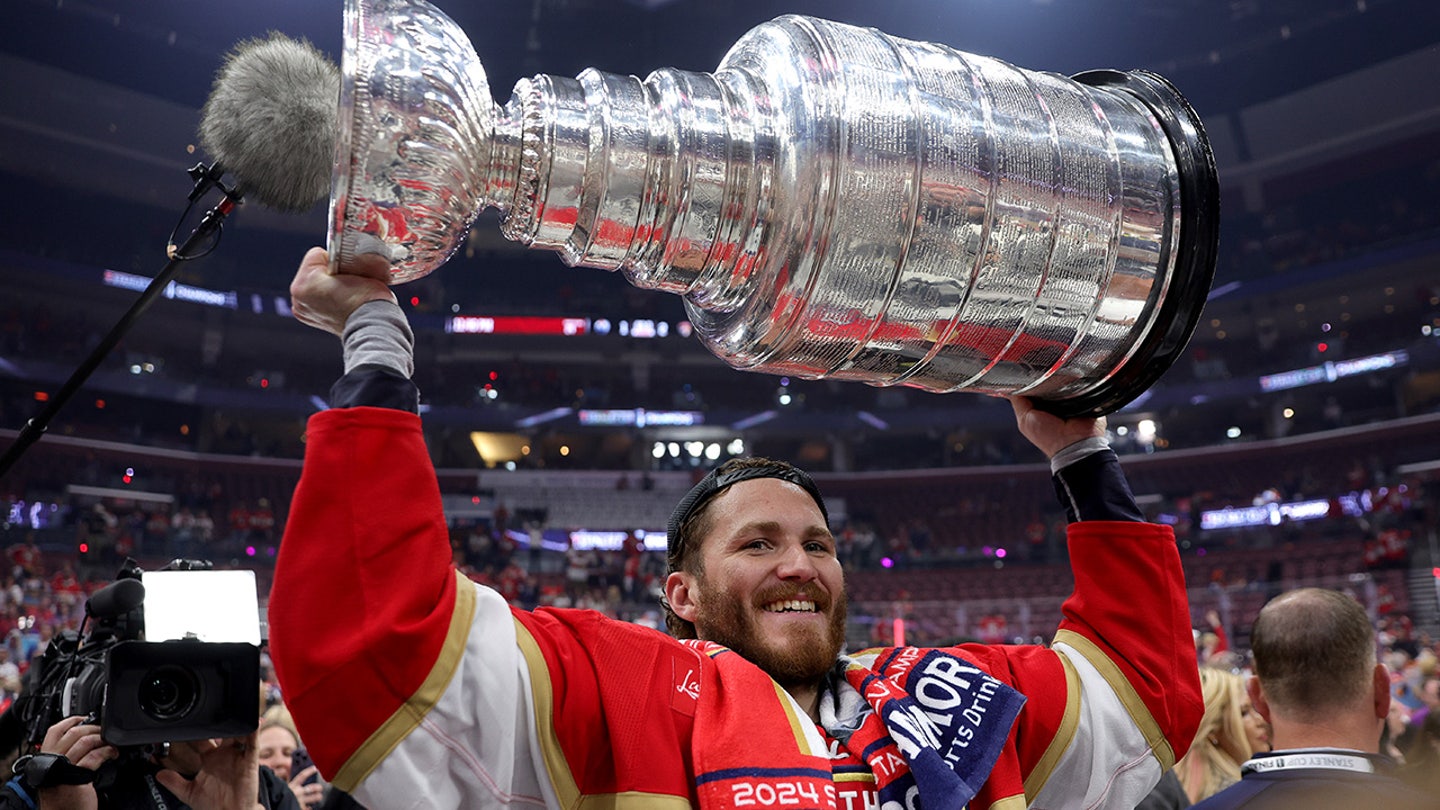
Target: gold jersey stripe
[[541, 694], [802, 743], [1132, 702], [633, 800], [1064, 735], [408, 716], [567, 791]]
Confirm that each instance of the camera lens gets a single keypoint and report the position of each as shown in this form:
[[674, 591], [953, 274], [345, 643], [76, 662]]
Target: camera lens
[[169, 693]]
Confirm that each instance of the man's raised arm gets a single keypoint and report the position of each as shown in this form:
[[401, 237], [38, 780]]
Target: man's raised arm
[[1133, 696]]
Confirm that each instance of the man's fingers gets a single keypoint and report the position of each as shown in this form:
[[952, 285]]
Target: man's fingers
[[177, 784], [91, 752], [368, 265], [56, 732], [316, 257]]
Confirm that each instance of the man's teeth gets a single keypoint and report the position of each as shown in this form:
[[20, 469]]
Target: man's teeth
[[791, 605]]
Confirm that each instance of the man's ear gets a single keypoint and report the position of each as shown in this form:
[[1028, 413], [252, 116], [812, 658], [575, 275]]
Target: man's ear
[[1382, 691], [1257, 698], [680, 594]]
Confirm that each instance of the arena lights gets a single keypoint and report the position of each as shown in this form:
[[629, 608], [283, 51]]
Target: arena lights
[[1353, 504], [640, 328], [640, 417], [227, 299], [516, 325], [695, 450], [587, 539], [757, 419], [1331, 371], [1146, 430], [32, 514]]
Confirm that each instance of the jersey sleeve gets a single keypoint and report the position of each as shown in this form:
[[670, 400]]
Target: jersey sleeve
[[371, 627], [414, 686], [1132, 691]]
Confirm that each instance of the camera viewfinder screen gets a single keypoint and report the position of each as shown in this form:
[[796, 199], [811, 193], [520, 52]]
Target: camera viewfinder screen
[[215, 606]]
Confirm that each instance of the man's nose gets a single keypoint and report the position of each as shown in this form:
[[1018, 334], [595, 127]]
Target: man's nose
[[797, 564]]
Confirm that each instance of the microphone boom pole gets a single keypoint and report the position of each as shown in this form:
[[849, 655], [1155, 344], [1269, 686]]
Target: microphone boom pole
[[206, 178]]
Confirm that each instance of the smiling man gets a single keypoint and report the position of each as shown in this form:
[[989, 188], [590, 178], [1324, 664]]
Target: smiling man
[[768, 586], [415, 687]]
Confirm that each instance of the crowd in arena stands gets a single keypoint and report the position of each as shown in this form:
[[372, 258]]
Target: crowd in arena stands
[[105, 535], [39, 599], [44, 587]]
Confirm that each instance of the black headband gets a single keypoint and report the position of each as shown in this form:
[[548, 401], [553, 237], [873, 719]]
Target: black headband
[[716, 482]]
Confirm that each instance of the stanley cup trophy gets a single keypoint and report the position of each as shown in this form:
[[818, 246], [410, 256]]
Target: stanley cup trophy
[[832, 202]]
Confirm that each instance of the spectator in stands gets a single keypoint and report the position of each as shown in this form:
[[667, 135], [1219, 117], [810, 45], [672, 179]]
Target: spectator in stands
[[8, 668], [1318, 683], [278, 742], [182, 533], [1399, 734], [579, 564], [25, 557], [204, 533], [1422, 758], [413, 686], [1230, 732], [1214, 643], [262, 524], [65, 585], [239, 519], [1429, 694]]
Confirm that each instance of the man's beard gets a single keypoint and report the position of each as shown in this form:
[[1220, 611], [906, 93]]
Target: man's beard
[[791, 660]]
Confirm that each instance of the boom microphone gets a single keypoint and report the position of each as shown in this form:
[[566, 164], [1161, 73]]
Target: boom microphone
[[116, 599], [271, 119]]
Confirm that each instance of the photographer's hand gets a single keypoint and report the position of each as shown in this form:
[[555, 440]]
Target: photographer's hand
[[227, 775], [80, 743]]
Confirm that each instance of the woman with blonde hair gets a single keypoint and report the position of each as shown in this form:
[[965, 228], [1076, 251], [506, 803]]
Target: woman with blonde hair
[[1230, 733]]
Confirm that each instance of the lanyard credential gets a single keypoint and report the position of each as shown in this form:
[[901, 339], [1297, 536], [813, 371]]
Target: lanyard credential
[[1332, 759]]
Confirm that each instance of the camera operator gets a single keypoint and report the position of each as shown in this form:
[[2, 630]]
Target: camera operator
[[204, 775]]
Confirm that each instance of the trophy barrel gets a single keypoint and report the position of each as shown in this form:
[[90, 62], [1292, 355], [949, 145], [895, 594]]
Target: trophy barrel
[[950, 222]]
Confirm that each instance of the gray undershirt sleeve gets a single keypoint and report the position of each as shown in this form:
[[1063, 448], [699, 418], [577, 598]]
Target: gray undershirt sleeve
[[377, 334], [1075, 452]]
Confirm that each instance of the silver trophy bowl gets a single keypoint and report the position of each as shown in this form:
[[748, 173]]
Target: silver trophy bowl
[[831, 202]]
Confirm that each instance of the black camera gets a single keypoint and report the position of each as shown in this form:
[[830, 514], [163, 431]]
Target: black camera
[[166, 685]]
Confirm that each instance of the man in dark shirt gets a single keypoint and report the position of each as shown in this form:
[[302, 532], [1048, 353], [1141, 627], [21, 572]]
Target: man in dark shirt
[[1326, 697]]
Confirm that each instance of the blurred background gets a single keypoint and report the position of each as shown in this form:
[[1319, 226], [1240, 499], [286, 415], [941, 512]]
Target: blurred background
[[1312, 383]]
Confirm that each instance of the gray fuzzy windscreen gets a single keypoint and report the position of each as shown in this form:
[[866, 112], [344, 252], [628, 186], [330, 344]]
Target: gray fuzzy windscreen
[[271, 120]]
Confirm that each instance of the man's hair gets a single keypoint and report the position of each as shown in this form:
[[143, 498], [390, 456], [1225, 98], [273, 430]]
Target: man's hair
[[1314, 652], [695, 524]]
